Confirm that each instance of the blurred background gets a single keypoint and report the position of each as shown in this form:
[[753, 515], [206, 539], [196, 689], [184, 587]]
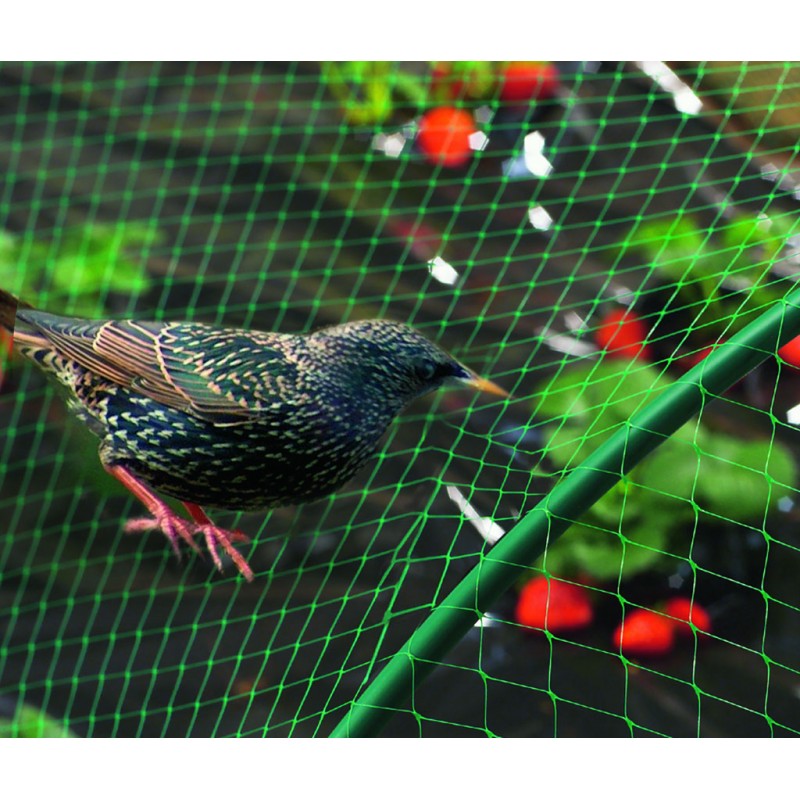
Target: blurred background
[[582, 233]]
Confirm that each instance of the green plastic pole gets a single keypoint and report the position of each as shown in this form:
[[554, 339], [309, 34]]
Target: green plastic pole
[[527, 540]]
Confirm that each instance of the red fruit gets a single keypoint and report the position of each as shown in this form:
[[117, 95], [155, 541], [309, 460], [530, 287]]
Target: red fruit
[[622, 333], [444, 85], [644, 633], [424, 241], [553, 605], [790, 352], [440, 72], [443, 135], [690, 360], [693, 359], [523, 81], [687, 613]]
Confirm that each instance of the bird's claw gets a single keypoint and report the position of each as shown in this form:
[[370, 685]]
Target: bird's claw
[[170, 524], [176, 528], [219, 537]]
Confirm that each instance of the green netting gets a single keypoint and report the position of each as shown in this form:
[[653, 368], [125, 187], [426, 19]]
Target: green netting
[[614, 243]]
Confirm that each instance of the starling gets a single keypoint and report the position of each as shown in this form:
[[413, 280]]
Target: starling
[[231, 418]]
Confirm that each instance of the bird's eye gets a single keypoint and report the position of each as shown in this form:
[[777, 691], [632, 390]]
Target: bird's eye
[[425, 370]]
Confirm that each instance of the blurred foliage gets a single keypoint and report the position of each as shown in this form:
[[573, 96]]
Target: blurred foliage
[[77, 270], [28, 722], [632, 528], [722, 276], [365, 89], [369, 92], [74, 275]]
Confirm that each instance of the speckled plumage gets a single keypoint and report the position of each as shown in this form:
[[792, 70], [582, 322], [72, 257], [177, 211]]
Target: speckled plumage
[[233, 418]]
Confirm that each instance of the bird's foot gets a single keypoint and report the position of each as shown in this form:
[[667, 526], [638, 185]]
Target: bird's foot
[[177, 528], [220, 537], [164, 519]]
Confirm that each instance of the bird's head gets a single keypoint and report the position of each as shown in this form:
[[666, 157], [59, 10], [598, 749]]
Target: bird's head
[[397, 359]]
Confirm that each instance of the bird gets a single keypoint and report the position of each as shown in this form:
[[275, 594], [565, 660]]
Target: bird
[[231, 418]]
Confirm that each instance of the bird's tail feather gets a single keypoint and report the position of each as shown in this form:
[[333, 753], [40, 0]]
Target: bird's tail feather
[[8, 310]]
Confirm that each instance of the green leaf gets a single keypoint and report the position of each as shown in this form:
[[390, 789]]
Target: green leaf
[[30, 722], [613, 387], [9, 248], [363, 89], [588, 403], [15, 274], [606, 554], [478, 76], [780, 229], [744, 231], [695, 468], [671, 471], [93, 259], [742, 480], [671, 245], [11, 277], [128, 276], [739, 256], [762, 238]]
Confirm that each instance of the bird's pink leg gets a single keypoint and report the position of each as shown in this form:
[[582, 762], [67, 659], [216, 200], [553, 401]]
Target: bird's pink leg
[[176, 527], [164, 518]]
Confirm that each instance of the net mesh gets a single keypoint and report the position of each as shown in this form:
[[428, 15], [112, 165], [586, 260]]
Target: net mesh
[[582, 233]]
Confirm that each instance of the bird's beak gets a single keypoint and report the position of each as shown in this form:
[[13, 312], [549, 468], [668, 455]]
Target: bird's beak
[[483, 385]]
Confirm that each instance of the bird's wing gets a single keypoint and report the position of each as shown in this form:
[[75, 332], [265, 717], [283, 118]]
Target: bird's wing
[[222, 375]]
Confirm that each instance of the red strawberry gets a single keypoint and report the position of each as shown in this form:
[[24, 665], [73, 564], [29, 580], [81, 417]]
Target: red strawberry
[[444, 84], [686, 362], [622, 333], [693, 359], [687, 613], [644, 633], [523, 81], [443, 135], [424, 241], [553, 605], [790, 352]]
